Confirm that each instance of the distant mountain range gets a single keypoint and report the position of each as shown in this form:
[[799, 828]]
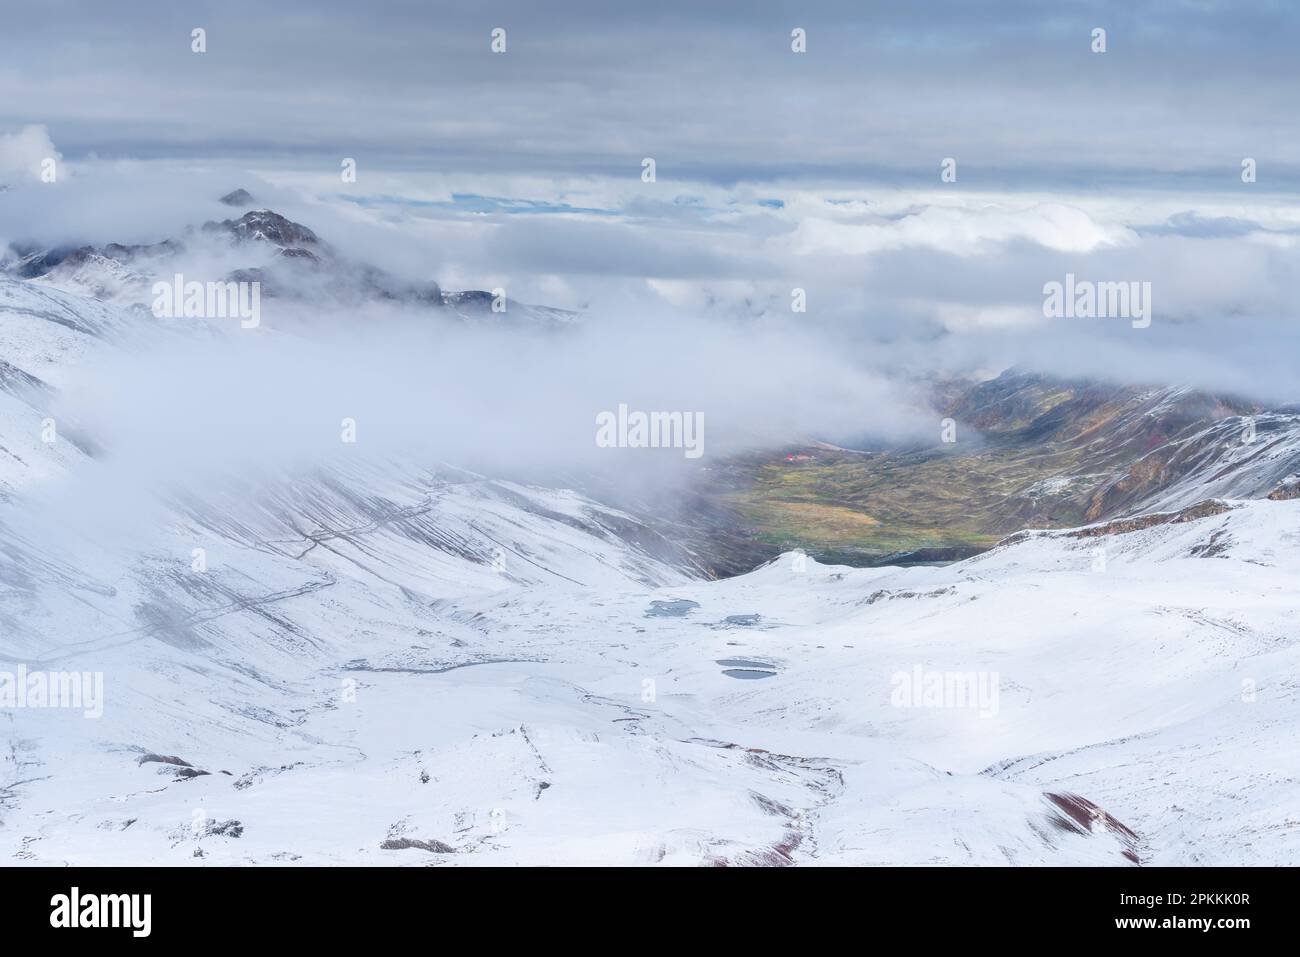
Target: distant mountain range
[[287, 258]]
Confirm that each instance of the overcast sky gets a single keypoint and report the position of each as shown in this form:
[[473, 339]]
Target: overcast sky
[[712, 90], [775, 170]]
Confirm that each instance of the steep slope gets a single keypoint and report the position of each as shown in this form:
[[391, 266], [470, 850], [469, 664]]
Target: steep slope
[[45, 336]]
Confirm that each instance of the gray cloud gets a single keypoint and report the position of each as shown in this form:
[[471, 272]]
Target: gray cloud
[[775, 170], [711, 90]]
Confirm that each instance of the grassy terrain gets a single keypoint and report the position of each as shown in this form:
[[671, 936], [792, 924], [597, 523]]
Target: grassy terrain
[[1031, 453], [856, 507]]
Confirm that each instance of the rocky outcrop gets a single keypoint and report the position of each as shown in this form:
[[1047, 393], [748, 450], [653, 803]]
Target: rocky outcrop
[[1288, 488], [241, 198], [1122, 526]]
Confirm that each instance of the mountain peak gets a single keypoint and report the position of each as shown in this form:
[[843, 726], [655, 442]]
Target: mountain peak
[[239, 197], [267, 226]]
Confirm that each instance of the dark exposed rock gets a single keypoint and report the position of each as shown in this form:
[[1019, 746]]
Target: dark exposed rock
[[38, 263], [1122, 526], [33, 263], [1078, 815], [263, 225], [1288, 488], [238, 197], [404, 843], [470, 299], [179, 767], [1218, 544], [164, 759], [231, 828], [125, 253]]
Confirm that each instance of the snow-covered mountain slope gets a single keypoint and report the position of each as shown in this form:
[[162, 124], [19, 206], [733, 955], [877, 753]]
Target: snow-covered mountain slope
[[1113, 450], [46, 335], [328, 709], [393, 662], [1238, 457]]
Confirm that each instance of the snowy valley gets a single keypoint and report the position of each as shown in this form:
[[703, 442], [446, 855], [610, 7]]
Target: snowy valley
[[406, 663]]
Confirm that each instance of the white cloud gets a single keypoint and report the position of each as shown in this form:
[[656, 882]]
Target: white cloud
[[23, 152], [964, 230], [909, 278]]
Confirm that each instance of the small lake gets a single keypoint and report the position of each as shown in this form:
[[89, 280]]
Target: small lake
[[746, 670], [674, 608]]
